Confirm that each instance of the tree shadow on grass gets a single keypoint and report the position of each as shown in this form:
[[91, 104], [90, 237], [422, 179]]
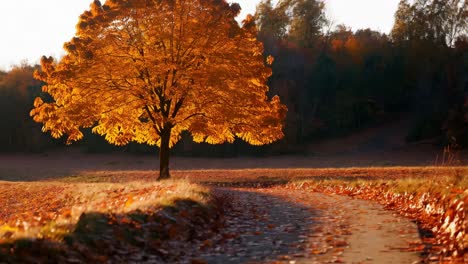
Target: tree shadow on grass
[[178, 233], [151, 236]]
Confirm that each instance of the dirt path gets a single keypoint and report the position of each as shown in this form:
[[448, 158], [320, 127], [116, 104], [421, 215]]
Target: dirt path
[[277, 225]]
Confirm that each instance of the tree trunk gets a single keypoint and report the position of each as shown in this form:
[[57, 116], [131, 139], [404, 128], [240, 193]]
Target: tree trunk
[[164, 154]]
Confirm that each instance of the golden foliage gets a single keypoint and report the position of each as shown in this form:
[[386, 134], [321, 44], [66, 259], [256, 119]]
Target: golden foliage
[[139, 67]]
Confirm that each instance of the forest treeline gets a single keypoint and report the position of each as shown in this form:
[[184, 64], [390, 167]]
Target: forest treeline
[[334, 81]]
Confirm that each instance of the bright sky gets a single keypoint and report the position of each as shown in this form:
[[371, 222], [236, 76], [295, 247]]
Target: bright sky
[[31, 28]]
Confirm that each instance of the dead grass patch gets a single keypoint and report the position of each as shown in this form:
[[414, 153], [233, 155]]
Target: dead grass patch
[[52, 209]]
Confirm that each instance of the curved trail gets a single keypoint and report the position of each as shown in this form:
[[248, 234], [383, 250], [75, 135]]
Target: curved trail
[[277, 225]]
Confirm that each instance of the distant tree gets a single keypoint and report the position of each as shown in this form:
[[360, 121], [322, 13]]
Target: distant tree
[[403, 20], [146, 71], [18, 89], [300, 21], [307, 20], [425, 36], [337, 81], [272, 22], [438, 21]]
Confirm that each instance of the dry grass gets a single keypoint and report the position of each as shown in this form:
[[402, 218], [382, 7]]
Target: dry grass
[[52, 209], [72, 163], [442, 182], [272, 175], [45, 197], [51, 203]]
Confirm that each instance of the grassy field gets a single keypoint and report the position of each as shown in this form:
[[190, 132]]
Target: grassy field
[[231, 177], [89, 222], [40, 200]]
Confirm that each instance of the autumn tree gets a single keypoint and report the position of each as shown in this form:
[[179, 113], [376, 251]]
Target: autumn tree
[[147, 70]]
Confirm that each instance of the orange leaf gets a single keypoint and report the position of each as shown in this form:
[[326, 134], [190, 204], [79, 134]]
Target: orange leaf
[[129, 201]]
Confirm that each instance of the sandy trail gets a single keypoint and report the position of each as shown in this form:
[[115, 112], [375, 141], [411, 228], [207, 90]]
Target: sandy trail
[[276, 225]]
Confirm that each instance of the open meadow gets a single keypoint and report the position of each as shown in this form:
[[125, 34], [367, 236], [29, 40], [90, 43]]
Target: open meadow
[[73, 208]]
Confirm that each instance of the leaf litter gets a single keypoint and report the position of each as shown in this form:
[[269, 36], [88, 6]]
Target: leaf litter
[[279, 225], [261, 225]]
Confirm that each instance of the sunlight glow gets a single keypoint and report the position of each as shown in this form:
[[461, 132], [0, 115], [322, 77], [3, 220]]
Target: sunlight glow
[[359, 14]]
